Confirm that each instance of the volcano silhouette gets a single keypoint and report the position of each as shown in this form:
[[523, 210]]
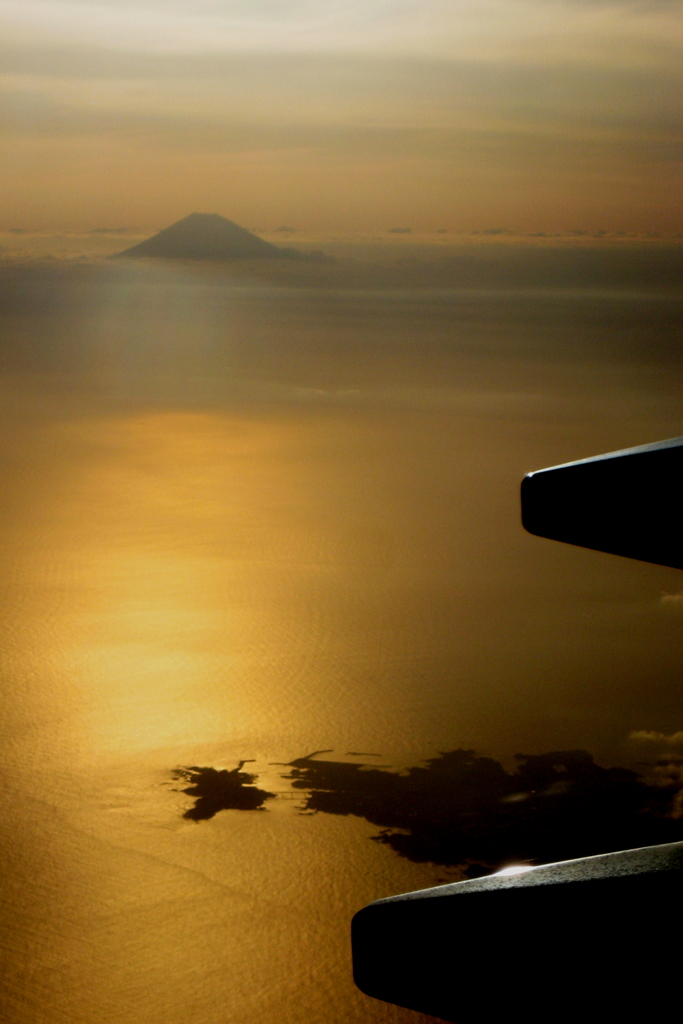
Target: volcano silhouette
[[208, 236]]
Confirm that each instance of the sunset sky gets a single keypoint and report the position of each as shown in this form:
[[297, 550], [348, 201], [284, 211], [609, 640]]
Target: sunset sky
[[530, 115]]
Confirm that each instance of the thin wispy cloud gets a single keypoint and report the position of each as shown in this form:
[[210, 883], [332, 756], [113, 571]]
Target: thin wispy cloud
[[543, 115], [387, 26], [675, 739]]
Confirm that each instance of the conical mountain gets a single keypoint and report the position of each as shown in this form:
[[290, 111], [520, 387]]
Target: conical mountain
[[207, 236]]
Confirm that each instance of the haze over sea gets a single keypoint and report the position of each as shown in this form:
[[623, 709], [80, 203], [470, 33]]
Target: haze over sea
[[253, 513]]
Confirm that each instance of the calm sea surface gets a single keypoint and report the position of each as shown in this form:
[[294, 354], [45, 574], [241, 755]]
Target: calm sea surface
[[242, 521]]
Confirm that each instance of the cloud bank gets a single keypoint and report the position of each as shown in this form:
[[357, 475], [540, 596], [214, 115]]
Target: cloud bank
[[536, 114]]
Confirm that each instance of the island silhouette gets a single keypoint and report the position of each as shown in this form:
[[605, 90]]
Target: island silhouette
[[208, 236], [219, 789], [464, 810]]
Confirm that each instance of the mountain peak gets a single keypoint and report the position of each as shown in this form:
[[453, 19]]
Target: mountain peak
[[207, 236]]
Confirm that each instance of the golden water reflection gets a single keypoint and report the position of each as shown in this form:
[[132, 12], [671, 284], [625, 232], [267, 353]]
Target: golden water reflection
[[298, 531]]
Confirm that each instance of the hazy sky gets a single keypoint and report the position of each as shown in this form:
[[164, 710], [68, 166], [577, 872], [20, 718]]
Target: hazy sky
[[533, 115]]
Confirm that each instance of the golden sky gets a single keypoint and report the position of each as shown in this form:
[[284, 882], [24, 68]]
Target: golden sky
[[336, 115]]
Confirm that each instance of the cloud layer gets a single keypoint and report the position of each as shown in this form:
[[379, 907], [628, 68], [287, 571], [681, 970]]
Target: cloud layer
[[538, 115]]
